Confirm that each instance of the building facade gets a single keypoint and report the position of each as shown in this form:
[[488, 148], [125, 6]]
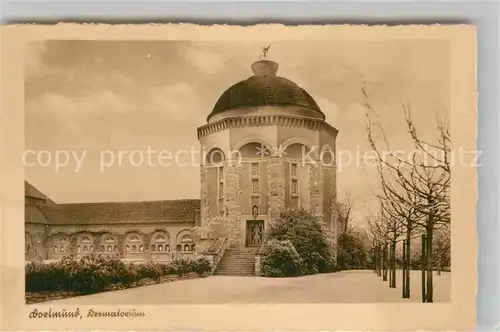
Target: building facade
[[157, 230], [268, 148]]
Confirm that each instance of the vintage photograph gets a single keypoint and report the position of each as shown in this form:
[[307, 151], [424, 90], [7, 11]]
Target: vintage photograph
[[191, 172]]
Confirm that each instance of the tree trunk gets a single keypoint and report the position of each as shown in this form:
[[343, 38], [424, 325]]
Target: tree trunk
[[403, 269], [430, 267], [423, 262], [393, 263], [439, 265], [384, 262], [379, 261], [408, 263], [389, 265], [374, 269]]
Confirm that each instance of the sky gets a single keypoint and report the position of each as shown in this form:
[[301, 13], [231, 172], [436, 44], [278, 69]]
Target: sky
[[92, 96]]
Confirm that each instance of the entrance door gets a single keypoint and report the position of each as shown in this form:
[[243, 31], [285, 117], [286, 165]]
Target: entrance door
[[254, 233]]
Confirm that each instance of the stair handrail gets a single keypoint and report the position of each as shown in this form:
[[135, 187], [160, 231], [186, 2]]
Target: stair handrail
[[217, 250]]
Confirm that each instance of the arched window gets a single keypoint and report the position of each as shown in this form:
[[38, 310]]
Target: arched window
[[184, 241], [61, 243], [91, 248], [134, 242], [327, 156], [127, 248], [186, 238], [38, 238], [141, 248], [85, 239], [160, 242], [78, 249], [110, 238], [108, 242], [193, 247], [167, 248], [85, 249], [215, 156], [254, 150], [160, 237]]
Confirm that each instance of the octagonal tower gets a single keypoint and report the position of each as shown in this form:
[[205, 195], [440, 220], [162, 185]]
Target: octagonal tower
[[267, 148]]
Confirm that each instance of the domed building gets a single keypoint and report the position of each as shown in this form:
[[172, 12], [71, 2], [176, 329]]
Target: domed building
[[268, 148]]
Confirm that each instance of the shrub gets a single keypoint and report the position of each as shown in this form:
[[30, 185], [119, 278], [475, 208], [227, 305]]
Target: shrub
[[309, 237], [93, 274], [280, 259], [351, 252]]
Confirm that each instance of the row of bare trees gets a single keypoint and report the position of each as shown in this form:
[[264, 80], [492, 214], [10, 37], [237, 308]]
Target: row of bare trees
[[414, 195]]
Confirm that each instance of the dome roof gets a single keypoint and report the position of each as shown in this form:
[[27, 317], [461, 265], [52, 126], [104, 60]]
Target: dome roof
[[265, 89]]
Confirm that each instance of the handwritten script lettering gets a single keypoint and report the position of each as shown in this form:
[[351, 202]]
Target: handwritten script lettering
[[64, 313], [91, 313]]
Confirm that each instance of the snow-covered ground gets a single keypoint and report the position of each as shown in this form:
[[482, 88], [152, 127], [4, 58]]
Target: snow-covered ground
[[345, 287]]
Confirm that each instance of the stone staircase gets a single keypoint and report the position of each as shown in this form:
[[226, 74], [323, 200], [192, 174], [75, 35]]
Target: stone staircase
[[237, 262]]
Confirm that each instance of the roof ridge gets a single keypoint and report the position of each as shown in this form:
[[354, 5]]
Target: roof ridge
[[133, 202]]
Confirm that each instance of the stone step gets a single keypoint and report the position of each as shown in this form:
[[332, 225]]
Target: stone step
[[237, 262]]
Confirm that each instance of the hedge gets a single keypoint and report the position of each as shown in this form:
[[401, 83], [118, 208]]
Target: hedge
[[92, 274]]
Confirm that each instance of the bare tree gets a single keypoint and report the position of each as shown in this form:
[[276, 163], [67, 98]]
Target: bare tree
[[394, 230], [345, 212], [417, 189], [380, 233]]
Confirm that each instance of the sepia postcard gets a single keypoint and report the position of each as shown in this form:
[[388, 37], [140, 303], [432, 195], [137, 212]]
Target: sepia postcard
[[182, 177]]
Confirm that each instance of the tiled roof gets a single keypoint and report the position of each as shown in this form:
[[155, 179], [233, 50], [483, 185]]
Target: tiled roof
[[33, 215], [175, 211], [30, 191]]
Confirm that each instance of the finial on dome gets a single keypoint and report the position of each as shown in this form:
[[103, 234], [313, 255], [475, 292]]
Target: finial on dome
[[264, 67], [265, 50]]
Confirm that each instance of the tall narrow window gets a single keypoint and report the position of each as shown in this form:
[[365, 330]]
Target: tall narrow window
[[221, 182], [255, 186], [221, 190], [294, 181], [294, 170], [255, 178], [255, 170], [295, 187]]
